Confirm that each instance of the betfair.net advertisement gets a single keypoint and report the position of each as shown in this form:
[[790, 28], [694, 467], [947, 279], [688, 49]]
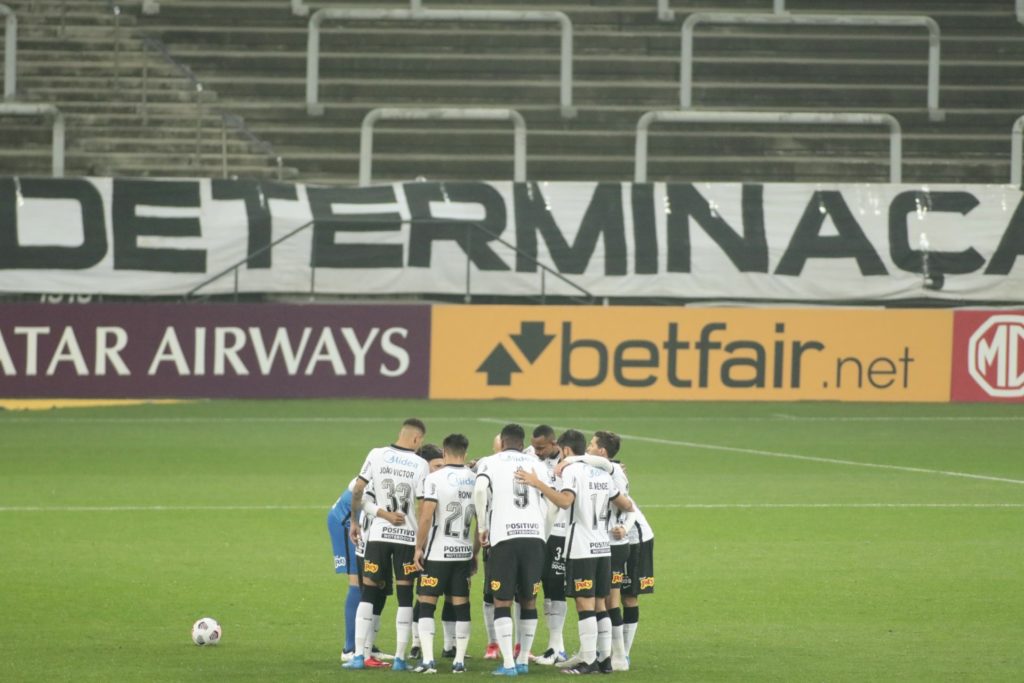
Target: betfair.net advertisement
[[659, 353]]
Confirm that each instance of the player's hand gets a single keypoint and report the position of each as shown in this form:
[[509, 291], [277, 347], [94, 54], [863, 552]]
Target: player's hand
[[619, 532], [418, 559], [562, 464], [393, 518], [485, 539], [528, 477], [355, 532]]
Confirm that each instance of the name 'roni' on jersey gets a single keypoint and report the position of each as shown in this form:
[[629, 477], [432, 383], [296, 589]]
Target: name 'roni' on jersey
[[451, 487], [396, 475]]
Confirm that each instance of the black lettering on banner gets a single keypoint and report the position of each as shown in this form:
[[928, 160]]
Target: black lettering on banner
[[602, 219], [749, 252], [939, 262], [327, 223], [621, 362], [257, 210], [645, 237], [94, 235], [569, 346], [474, 242], [808, 242], [1010, 246], [756, 364], [128, 226]]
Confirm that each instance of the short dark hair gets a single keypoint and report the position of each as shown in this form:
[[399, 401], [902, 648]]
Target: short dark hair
[[513, 436], [544, 432], [415, 423], [456, 444], [609, 441], [574, 440], [430, 451]]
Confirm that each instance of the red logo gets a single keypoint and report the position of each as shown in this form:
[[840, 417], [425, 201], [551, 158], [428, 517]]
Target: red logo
[[988, 356]]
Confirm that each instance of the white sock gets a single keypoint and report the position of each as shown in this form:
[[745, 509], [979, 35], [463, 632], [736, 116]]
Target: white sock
[[364, 628], [554, 613], [462, 630], [426, 634], [588, 639], [449, 634], [503, 630], [403, 630], [527, 631], [604, 636], [492, 637], [618, 645], [628, 633]]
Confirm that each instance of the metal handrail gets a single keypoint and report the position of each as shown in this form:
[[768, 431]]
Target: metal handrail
[[441, 114], [1016, 148], [1020, 11], [544, 269], [228, 120], [57, 153], [10, 52], [707, 116], [313, 106], [934, 39]]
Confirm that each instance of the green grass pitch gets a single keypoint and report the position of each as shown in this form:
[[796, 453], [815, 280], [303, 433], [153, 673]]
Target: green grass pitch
[[795, 542]]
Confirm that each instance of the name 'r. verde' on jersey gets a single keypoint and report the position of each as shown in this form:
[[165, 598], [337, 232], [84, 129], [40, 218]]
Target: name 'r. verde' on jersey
[[517, 510], [590, 512], [451, 487], [396, 475]]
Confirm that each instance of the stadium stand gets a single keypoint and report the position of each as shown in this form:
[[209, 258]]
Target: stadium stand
[[252, 55]]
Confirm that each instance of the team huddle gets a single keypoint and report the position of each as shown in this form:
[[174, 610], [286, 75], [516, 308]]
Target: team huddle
[[554, 515]]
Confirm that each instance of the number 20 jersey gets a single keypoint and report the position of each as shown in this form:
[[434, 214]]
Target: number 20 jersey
[[451, 487], [517, 510], [396, 475]]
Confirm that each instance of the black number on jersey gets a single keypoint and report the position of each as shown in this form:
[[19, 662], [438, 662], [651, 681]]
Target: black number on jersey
[[398, 497], [461, 516], [520, 492], [601, 511]]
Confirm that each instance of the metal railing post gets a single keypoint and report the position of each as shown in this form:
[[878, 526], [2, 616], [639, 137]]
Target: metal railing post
[[779, 6], [1016, 148], [223, 147], [145, 85], [785, 18], [313, 106], [57, 144], [117, 47], [1020, 11], [468, 297], [10, 52], [664, 12], [784, 118], [199, 123], [299, 8], [441, 114]]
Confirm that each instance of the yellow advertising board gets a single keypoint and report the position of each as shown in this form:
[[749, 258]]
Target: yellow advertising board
[[675, 353]]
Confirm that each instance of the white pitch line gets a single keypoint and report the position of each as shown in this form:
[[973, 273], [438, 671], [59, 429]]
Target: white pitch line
[[690, 506], [811, 458], [777, 417]]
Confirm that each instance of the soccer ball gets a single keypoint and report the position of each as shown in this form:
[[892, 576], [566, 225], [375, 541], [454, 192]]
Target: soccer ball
[[206, 631]]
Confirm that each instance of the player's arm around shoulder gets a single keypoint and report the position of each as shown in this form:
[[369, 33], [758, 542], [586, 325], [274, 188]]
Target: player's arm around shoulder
[[535, 477]]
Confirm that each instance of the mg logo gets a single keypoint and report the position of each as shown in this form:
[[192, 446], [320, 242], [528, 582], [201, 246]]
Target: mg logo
[[995, 356]]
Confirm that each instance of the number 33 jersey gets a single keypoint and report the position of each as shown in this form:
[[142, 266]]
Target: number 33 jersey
[[451, 487], [396, 475], [517, 509]]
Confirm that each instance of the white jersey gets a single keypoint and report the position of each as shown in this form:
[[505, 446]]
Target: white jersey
[[618, 516], [397, 476], [641, 530], [560, 527], [451, 487], [365, 520], [516, 510], [590, 511]]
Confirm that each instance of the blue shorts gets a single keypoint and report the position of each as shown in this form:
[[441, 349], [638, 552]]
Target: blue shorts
[[344, 548]]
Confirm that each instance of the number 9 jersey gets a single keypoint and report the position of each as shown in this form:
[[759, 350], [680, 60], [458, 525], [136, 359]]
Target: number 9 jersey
[[396, 475], [517, 510]]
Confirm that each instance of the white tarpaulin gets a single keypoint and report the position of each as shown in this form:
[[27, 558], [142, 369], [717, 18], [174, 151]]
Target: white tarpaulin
[[781, 242]]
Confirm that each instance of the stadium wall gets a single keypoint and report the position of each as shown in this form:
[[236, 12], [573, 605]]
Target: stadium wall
[[519, 352]]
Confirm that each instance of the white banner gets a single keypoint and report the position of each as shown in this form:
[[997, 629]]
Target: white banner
[[714, 241]]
